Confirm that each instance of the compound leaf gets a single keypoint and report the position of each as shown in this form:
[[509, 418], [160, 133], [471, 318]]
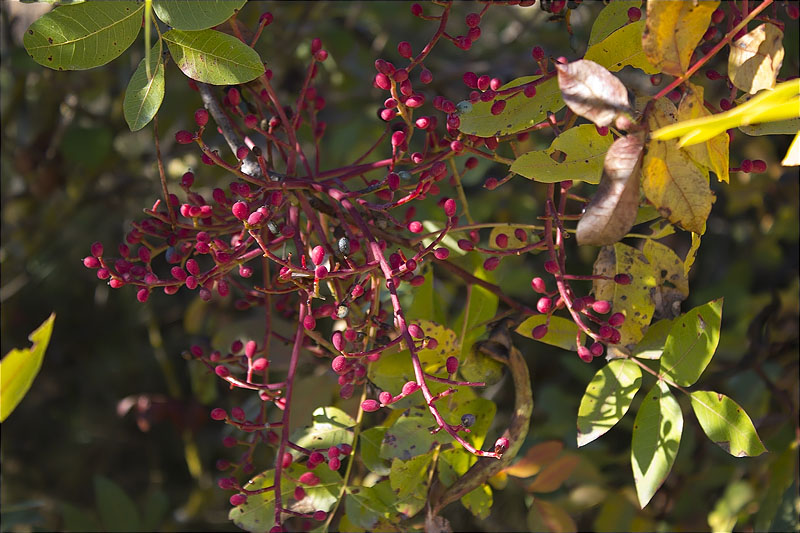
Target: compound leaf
[[607, 398], [726, 424]]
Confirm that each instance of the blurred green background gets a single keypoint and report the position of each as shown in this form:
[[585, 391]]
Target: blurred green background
[[115, 428]]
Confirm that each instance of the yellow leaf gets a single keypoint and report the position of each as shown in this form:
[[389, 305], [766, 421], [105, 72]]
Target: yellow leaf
[[673, 30], [672, 182], [756, 58], [691, 255], [792, 158], [712, 154], [611, 18], [621, 49], [672, 283]]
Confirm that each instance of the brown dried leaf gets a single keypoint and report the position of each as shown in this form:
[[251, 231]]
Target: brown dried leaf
[[756, 58], [610, 214], [672, 31], [592, 92]]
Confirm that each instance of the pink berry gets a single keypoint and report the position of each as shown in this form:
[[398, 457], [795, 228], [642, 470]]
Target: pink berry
[[538, 285], [184, 137], [222, 371], [410, 387], [415, 226], [441, 253], [491, 263], [385, 397], [218, 414], [544, 304], [539, 331], [472, 20], [501, 445], [537, 53], [370, 405], [238, 499], [317, 255], [465, 245], [759, 166], [398, 138], [416, 331], [309, 323], [425, 76], [449, 207], [451, 364], [498, 107], [623, 279], [242, 152], [501, 240], [142, 295], [617, 319], [240, 210], [260, 364], [596, 349], [309, 478], [747, 165], [601, 306], [585, 354], [634, 14], [234, 97], [717, 16], [319, 516], [404, 49], [299, 493], [551, 266]]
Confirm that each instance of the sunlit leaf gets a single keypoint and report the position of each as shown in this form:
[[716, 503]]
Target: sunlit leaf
[[673, 31], [561, 332], [713, 153], [535, 458], [723, 517], [83, 36], [213, 57], [479, 501], [691, 343], [726, 424], [592, 92], [330, 427], [656, 438], [607, 398], [622, 48], [611, 18], [19, 368], [584, 148], [672, 285], [520, 112], [195, 14], [411, 476], [671, 180], [756, 59], [613, 208], [792, 157], [143, 96]]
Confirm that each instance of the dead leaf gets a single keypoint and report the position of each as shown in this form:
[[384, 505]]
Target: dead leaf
[[713, 153], [610, 214], [673, 30], [592, 92], [756, 58]]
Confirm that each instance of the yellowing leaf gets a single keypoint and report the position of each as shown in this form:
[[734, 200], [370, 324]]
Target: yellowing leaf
[[673, 30], [712, 154], [622, 48], [792, 158], [672, 284], [756, 58], [520, 112], [585, 150], [610, 214], [611, 18], [554, 474], [691, 255], [635, 301], [535, 458], [671, 180]]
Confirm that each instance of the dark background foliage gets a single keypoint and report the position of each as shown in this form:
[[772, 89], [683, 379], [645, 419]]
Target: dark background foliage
[[72, 173]]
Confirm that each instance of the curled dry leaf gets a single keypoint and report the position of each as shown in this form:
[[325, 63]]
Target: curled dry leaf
[[756, 58], [610, 214], [592, 92]]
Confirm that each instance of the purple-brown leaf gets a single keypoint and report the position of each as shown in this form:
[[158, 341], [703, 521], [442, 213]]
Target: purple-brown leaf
[[610, 214], [592, 92]]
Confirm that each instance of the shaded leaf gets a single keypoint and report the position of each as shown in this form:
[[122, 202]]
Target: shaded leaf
[[713, 153], [370, 441], [117, 510], [479, 501], [411, 435], [611, 18], [508, 230], [143, 96], [554, 474], [691, 343], [607, 398], [725, 514], [592, 92], [330, 427], [656, 438], [365, 507], [621, 49], [19, 368], [782, 127], [561, 332], [535, 458], [83, 36], [410, 477], [726, 424], [195, 14], [585, 150], [756, 59], [672, 285], [547, 516], [652, 344], [520, 113], [672, 32], [610, 214], [671, 180], [213, 57]]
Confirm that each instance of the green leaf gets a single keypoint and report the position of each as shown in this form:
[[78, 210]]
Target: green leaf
[[19, 368], [560, 331], [76, 519], [547, 516], [367, 506], [154, 509], [781, 127], [410, 477], [585, 151], [508, 230], [726, 424], [726, 511], [117, 510], [656, 438], [652, 344], [411, 436], [370, 441], [330, 427], [143, 97], [85, 35], [621, 49], [520, 112], [212, 57], [611, 18], [607, 398], [479, 501], [691, 343], [195, 14], [259, 509]]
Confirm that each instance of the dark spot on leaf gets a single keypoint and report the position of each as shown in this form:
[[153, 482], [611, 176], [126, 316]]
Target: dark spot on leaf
[[50, 40], [30, 31]]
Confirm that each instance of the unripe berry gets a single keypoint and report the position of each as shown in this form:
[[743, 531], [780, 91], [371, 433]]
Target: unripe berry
[[544, 304], [441, 253], [218, 413], [465, 245], [792, 10], [299, 493], [201, 117], [585, 354], [317, 255], [370, 405], [472, 20], [410, 387], [319, 516], [184, 137], [142, 295], [713, 75], [537, 53], [491, 263], [398, 138], [551, 267], [309, 323], [451, 364], [501, 445], [234, 97], [617, 319], [416, 331], [382, 81], [759, 166], [449, 207], [425, 76], [242, 152], [415, 226], [596, 349], [501, 240], [717, 16], [309, 478], [623, 279], [240, 210], [222, 371], [601, 306], [498, 107], [539, 331], [260, 364], [238, 499], [404, 49], [483, 82], [634, 14], [746, 165]]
